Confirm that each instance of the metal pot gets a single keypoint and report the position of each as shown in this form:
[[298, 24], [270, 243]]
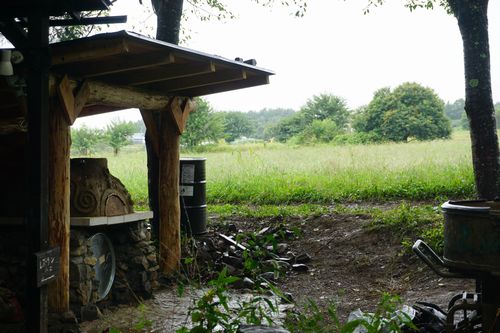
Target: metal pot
[[472, 235]]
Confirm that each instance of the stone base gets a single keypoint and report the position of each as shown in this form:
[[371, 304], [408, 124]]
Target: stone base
[[136, 266]]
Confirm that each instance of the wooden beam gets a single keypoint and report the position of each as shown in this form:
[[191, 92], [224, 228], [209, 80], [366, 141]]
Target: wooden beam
[[168, 196], [67, 99], [124, 64], [72, 52], [59, 205], [125, 97], [81, 98], [180, 111], [218, 77], [72, 106], [152, 127], [159, 74]]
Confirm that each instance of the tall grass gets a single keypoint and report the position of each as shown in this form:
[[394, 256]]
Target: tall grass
[[273, 173]]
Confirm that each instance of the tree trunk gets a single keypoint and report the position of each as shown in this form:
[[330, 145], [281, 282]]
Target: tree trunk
[[473, 23], [168, 18], [168, 13]]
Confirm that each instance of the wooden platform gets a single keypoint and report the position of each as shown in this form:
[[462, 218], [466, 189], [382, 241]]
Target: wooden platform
[[110, 220]]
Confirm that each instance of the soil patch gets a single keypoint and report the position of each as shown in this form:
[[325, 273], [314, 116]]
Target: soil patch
[[351, 265]]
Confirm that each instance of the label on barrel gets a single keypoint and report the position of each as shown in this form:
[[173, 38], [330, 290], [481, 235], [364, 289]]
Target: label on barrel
[[186, 191], [187, 173]]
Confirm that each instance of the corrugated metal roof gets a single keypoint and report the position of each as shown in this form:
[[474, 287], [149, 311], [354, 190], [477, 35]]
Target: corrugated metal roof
[[129, 59]]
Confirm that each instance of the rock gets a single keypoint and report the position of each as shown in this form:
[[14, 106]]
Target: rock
[[282, 248], [79, 273], [286, 298], [267, 276], [276, 265], [76, 260], [245, 283], [79, 251], [248, 283], [154, 268], [231, 270], [121, 238], [300, 268], [232, 227], [303, 258], [77, 239], [260, 329], [69, 318], [90, 312], [121, 265], [233, 261], [90, 260]]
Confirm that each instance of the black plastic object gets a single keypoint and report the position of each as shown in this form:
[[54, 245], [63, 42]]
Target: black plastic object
[[193, 195]]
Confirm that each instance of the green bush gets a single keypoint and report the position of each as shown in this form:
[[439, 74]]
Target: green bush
[[357, 138]]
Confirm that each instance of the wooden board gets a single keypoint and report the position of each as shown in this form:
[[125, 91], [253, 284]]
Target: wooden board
[[110, 220]]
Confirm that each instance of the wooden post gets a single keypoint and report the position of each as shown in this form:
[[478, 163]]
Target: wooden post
[[59, 205], [37, 56], [169, 204]]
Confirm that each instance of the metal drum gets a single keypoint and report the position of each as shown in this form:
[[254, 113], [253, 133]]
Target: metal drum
[[193, 195], [472, 235]]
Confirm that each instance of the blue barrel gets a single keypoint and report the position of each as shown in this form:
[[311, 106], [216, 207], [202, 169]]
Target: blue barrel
[[193, 195]]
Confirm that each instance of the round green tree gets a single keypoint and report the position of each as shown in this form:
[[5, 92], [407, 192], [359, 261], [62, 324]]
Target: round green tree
[[409, 111], [203, 126]]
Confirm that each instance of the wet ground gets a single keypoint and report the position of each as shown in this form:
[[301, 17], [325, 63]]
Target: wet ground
[[351, 267], [166, 312]]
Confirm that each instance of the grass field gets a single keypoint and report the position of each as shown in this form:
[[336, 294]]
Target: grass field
[[279, 174]]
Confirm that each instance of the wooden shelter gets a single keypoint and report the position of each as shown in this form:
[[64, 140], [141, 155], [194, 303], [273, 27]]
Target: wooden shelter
[[88, 76]]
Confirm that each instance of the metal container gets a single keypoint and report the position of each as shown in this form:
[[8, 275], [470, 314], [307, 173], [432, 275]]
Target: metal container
[[472, 235], [193, 195]]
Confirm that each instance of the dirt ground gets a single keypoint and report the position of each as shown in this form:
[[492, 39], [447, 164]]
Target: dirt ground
[[351, 266]]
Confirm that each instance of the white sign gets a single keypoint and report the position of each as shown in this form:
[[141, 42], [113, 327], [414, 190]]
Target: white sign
[[187, 173], [186, 191]]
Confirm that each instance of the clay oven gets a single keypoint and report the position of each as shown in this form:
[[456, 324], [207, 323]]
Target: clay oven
[[111, 254], [95, 191]]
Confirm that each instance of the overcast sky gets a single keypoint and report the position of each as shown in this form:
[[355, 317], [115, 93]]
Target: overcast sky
[[334, 48]]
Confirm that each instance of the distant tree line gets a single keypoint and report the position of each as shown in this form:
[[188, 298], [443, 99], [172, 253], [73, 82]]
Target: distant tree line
[[456, 113], [408, 112], [85, 140]]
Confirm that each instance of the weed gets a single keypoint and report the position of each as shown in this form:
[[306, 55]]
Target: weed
[[312, 320], [387, 318], [280, 174], [263, 211], [408, 221], [212, 309]]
